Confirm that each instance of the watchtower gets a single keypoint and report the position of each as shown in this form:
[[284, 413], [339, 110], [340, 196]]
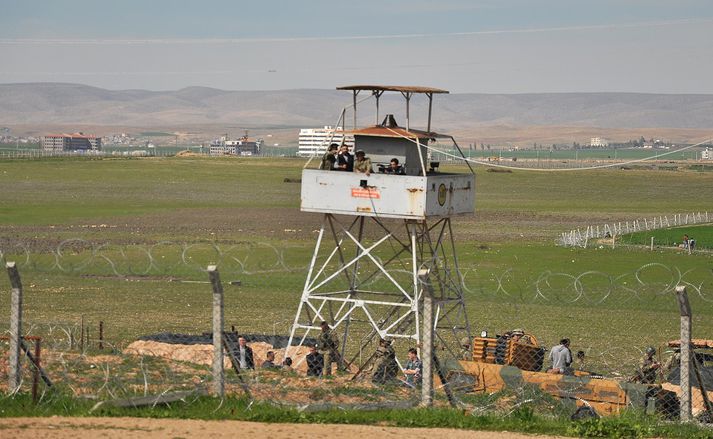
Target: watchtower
[[377, 232]]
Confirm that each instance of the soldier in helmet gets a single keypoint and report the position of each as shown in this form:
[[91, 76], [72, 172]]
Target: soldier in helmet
[[328, 343], [648, 368], [517, 335], [385, 366]]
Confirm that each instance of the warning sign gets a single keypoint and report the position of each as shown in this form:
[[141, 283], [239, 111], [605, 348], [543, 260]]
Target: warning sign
[[365, 192]]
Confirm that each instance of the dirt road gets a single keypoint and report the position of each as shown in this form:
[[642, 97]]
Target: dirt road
[[127, 428]]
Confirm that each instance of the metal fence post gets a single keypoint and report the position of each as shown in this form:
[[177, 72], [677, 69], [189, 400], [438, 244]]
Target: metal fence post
[[426, 340], [14, 374], [218, 372], [685, 369]]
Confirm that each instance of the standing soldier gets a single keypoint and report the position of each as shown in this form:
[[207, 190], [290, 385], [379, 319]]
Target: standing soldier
[[329, 346], [385, 366]]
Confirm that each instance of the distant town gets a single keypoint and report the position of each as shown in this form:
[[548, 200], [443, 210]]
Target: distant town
[[307, 142]]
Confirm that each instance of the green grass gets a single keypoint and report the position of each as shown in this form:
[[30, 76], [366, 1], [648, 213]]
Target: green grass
[[671, 237], [160, 221], [49, 192], [524, 420], [65, 191]]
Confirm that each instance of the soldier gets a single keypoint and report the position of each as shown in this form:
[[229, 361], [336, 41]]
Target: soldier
[[328, 342], [648, 367], [329, 158], [385, 366], [517, 336], [673, 362], [466, 351]]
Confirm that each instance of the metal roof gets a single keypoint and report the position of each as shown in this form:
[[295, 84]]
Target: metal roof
[[380, 131], [401, 88]]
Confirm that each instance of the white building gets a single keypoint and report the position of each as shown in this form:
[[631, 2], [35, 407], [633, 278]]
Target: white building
[[598, 142], [314, 141], [242, 146], [71, 142], [707, 154]]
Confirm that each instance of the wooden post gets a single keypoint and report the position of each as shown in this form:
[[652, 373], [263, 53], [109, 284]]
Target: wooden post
[[81, 334], [101, 334], [36, 373], [685, 378], [218, 372], [652, 243], [426, 339], [14, 375]]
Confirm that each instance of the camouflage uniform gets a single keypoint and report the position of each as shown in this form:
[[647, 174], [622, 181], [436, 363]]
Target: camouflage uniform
[[385, 366], [648, 367], [328, 345], [672, 362], [328, 161]]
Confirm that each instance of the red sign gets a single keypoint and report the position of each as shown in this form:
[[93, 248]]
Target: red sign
[[365, 192]]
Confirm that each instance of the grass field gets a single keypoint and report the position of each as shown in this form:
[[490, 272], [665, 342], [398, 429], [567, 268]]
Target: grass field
[[674, 236], [159, 222]]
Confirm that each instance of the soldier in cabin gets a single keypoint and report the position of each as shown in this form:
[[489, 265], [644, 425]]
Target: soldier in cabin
[[329, 158], [362, 164]]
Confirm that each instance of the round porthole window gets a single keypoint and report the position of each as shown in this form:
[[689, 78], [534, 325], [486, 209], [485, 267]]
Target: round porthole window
[[442, 192]]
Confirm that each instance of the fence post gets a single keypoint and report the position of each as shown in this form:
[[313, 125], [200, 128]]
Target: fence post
[[101, 334], [81, 334], [652, 243], [14, 376], [685, 374], [36, 373], [427, 339], [218, 372]]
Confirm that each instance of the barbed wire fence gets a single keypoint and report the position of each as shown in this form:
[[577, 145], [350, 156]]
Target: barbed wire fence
[[609, 319]]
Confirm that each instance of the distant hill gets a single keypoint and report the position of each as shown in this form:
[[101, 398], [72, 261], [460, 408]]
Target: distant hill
[[59, 103]]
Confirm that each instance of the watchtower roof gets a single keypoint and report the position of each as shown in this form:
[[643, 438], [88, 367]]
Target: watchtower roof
[[397, 132], [399, 88]]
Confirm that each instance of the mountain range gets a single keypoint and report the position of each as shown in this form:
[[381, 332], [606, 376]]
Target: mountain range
[[61, 103]]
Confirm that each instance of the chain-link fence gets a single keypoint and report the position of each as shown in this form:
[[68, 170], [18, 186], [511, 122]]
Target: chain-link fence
[[136, 324]]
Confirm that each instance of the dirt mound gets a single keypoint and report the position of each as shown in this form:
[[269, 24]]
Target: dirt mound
[[697, 404], [203, 353]]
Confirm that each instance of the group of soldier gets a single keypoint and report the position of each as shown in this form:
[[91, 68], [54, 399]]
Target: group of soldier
[[562, 361], [384, 370]]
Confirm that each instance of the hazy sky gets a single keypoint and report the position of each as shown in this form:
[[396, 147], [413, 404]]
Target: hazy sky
[[489, 46]]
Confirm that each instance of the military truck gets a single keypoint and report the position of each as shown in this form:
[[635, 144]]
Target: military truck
[[516, 359]]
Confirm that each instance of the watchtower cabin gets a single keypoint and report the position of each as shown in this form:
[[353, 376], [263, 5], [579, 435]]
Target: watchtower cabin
[[422, 191], [380, 232]]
